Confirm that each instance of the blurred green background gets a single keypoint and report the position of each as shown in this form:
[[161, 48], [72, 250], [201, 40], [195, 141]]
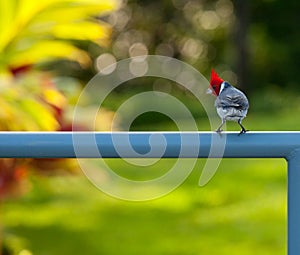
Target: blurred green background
[[50, 49]]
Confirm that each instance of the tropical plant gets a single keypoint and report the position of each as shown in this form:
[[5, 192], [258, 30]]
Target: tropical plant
[[37, 31], [33, 33]]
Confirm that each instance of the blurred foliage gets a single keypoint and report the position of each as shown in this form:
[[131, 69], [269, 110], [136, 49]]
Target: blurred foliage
[[197, 32], [38, 110], [37, 31], [204, 34], [34, 33], [274, 43]]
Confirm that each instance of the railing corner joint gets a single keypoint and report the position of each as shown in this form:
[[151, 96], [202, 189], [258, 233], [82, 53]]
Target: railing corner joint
[[293, 154]]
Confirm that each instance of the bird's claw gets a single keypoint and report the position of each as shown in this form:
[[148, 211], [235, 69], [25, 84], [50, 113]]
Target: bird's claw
[[219, 130], [243, 131]]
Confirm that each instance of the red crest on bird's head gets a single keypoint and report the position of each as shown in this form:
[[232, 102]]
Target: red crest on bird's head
[[215, 83], [215, 79]]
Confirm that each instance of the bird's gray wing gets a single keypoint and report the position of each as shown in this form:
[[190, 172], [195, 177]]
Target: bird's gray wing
[[232, 98]]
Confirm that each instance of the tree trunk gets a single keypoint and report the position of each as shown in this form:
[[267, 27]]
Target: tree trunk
[[240, 36]]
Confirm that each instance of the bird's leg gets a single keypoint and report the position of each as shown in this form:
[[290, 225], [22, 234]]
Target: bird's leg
[[243, 131], [219, 130]]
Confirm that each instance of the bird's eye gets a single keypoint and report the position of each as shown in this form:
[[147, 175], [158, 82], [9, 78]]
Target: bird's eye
[[214, 86]]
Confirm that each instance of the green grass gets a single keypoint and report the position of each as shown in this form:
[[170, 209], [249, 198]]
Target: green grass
[[242, 209]]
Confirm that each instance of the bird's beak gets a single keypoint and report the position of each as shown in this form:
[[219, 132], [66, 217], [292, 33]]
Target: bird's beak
[[209, 91]]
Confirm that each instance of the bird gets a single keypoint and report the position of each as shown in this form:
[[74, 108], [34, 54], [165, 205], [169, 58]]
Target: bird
[[231, 103]]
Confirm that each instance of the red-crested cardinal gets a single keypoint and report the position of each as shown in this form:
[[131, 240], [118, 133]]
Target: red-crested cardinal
[[231, 103]]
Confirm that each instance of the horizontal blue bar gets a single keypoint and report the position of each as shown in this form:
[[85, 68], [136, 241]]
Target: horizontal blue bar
[[147, 144]]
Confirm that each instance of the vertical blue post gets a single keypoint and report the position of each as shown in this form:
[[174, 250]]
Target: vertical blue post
[[294, 203]]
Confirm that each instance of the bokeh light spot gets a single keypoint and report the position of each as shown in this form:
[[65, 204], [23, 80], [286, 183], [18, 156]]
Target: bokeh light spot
[[209, 20], [106, 63]]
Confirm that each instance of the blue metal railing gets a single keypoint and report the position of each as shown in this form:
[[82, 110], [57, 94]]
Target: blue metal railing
[[251, 145]]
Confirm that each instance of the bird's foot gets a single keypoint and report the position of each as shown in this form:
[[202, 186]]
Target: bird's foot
[[243, 131], [219, 130]]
